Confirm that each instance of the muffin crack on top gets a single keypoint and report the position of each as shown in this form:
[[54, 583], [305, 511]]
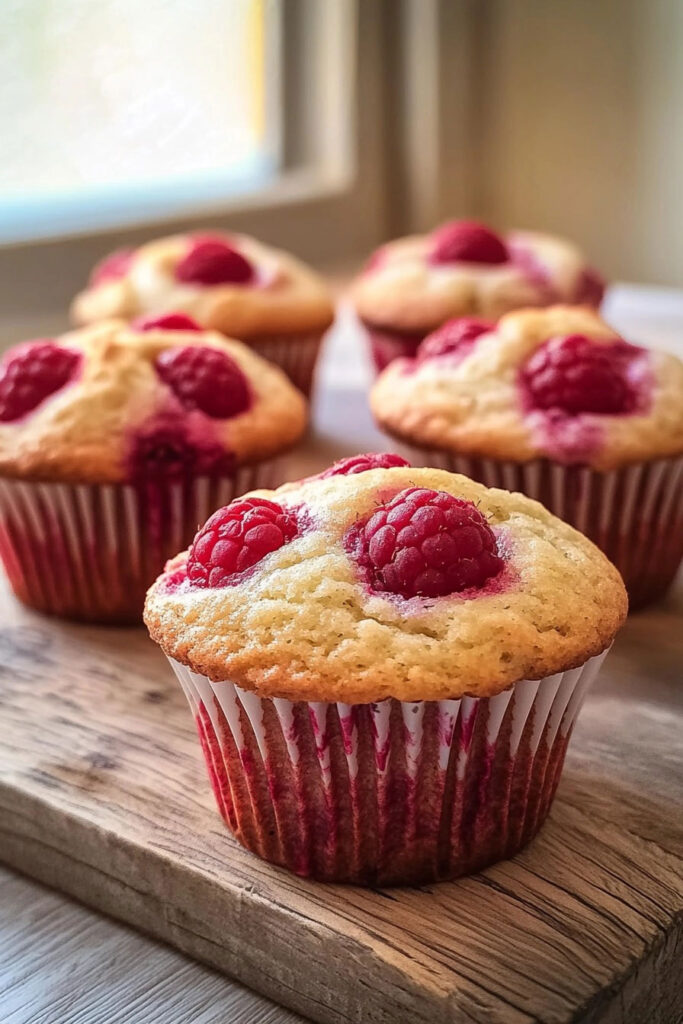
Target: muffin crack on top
[[305, 622]]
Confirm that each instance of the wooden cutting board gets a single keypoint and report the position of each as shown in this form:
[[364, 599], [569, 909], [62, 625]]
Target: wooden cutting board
[[103, 795]]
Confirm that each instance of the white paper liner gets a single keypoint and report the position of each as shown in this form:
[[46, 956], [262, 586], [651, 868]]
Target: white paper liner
[[357, 793], [296, 355]]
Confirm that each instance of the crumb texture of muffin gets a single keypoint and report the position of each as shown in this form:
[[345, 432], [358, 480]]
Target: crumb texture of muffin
[[414, 284], [554, 383], [108, 403], [415, 584], [228, 283]]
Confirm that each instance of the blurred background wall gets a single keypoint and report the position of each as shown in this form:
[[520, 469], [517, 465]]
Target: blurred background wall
[[581, 107], [327, 126]]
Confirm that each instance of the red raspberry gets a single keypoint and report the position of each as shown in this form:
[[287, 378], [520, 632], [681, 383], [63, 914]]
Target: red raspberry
[[455, 336], [206, 379], [166, 322], [361, 463], [113, 267], [237, 537], [163, 450], [30, 373], [213, 261], [426, 543], [575, 374], [466, 241]]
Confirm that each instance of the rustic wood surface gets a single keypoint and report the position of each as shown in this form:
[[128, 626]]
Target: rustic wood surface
[[103, 795]]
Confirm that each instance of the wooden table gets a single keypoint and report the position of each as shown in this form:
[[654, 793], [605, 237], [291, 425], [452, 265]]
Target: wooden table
[[600, 887]]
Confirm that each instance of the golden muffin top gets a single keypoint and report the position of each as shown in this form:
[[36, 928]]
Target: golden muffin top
[[464, 269], [112, 403], [228, 283], [556, 383], [366, 583]]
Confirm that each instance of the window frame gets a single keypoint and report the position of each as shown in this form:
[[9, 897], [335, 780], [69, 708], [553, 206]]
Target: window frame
[[332, 154]]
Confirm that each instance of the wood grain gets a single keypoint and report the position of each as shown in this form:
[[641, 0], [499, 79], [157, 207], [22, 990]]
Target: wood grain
[[61, 963], [103, 795]]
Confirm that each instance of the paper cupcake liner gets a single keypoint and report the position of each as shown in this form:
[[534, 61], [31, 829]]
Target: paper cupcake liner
[[90, 551], [386, 346], [634, 514], [295, 354], [388, 793]]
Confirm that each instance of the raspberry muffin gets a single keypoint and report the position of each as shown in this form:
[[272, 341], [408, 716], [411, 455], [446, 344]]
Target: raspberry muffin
[[555, 404], [227, 283], [385, 665], [115, 443], [413, 285]]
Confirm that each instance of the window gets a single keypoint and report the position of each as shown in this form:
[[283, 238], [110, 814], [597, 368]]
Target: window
[[122, 120], [123, 109]]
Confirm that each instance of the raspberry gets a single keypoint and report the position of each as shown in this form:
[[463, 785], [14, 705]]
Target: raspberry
[[237, 537], [575, 374], [206, 379], [213, 261], [30, 373], [466, 241], [166, 322], [163, 451], [425, 543], [361, 463], [113, 267], [455, 336]]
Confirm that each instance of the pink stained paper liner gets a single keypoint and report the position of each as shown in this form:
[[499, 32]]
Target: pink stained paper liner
[[386, 346], [388, 793], [90, 551]]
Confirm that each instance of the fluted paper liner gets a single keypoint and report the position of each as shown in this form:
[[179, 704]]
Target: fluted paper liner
[[391, 792], [296, 355], [90, 551]]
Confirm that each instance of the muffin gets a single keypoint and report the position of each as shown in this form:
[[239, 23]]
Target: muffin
[[555, 404], [385, 665], [115, 443], [413, 285], [227, 283]]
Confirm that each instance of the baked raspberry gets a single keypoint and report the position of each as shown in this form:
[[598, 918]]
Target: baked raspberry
[[425, 543], [455, 337], [167, 322], [213, 261], [113, 267], [164, 451], [575, 374], [206, 379], [466, 241], [30, 373], [360, 463], [237, 537]]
